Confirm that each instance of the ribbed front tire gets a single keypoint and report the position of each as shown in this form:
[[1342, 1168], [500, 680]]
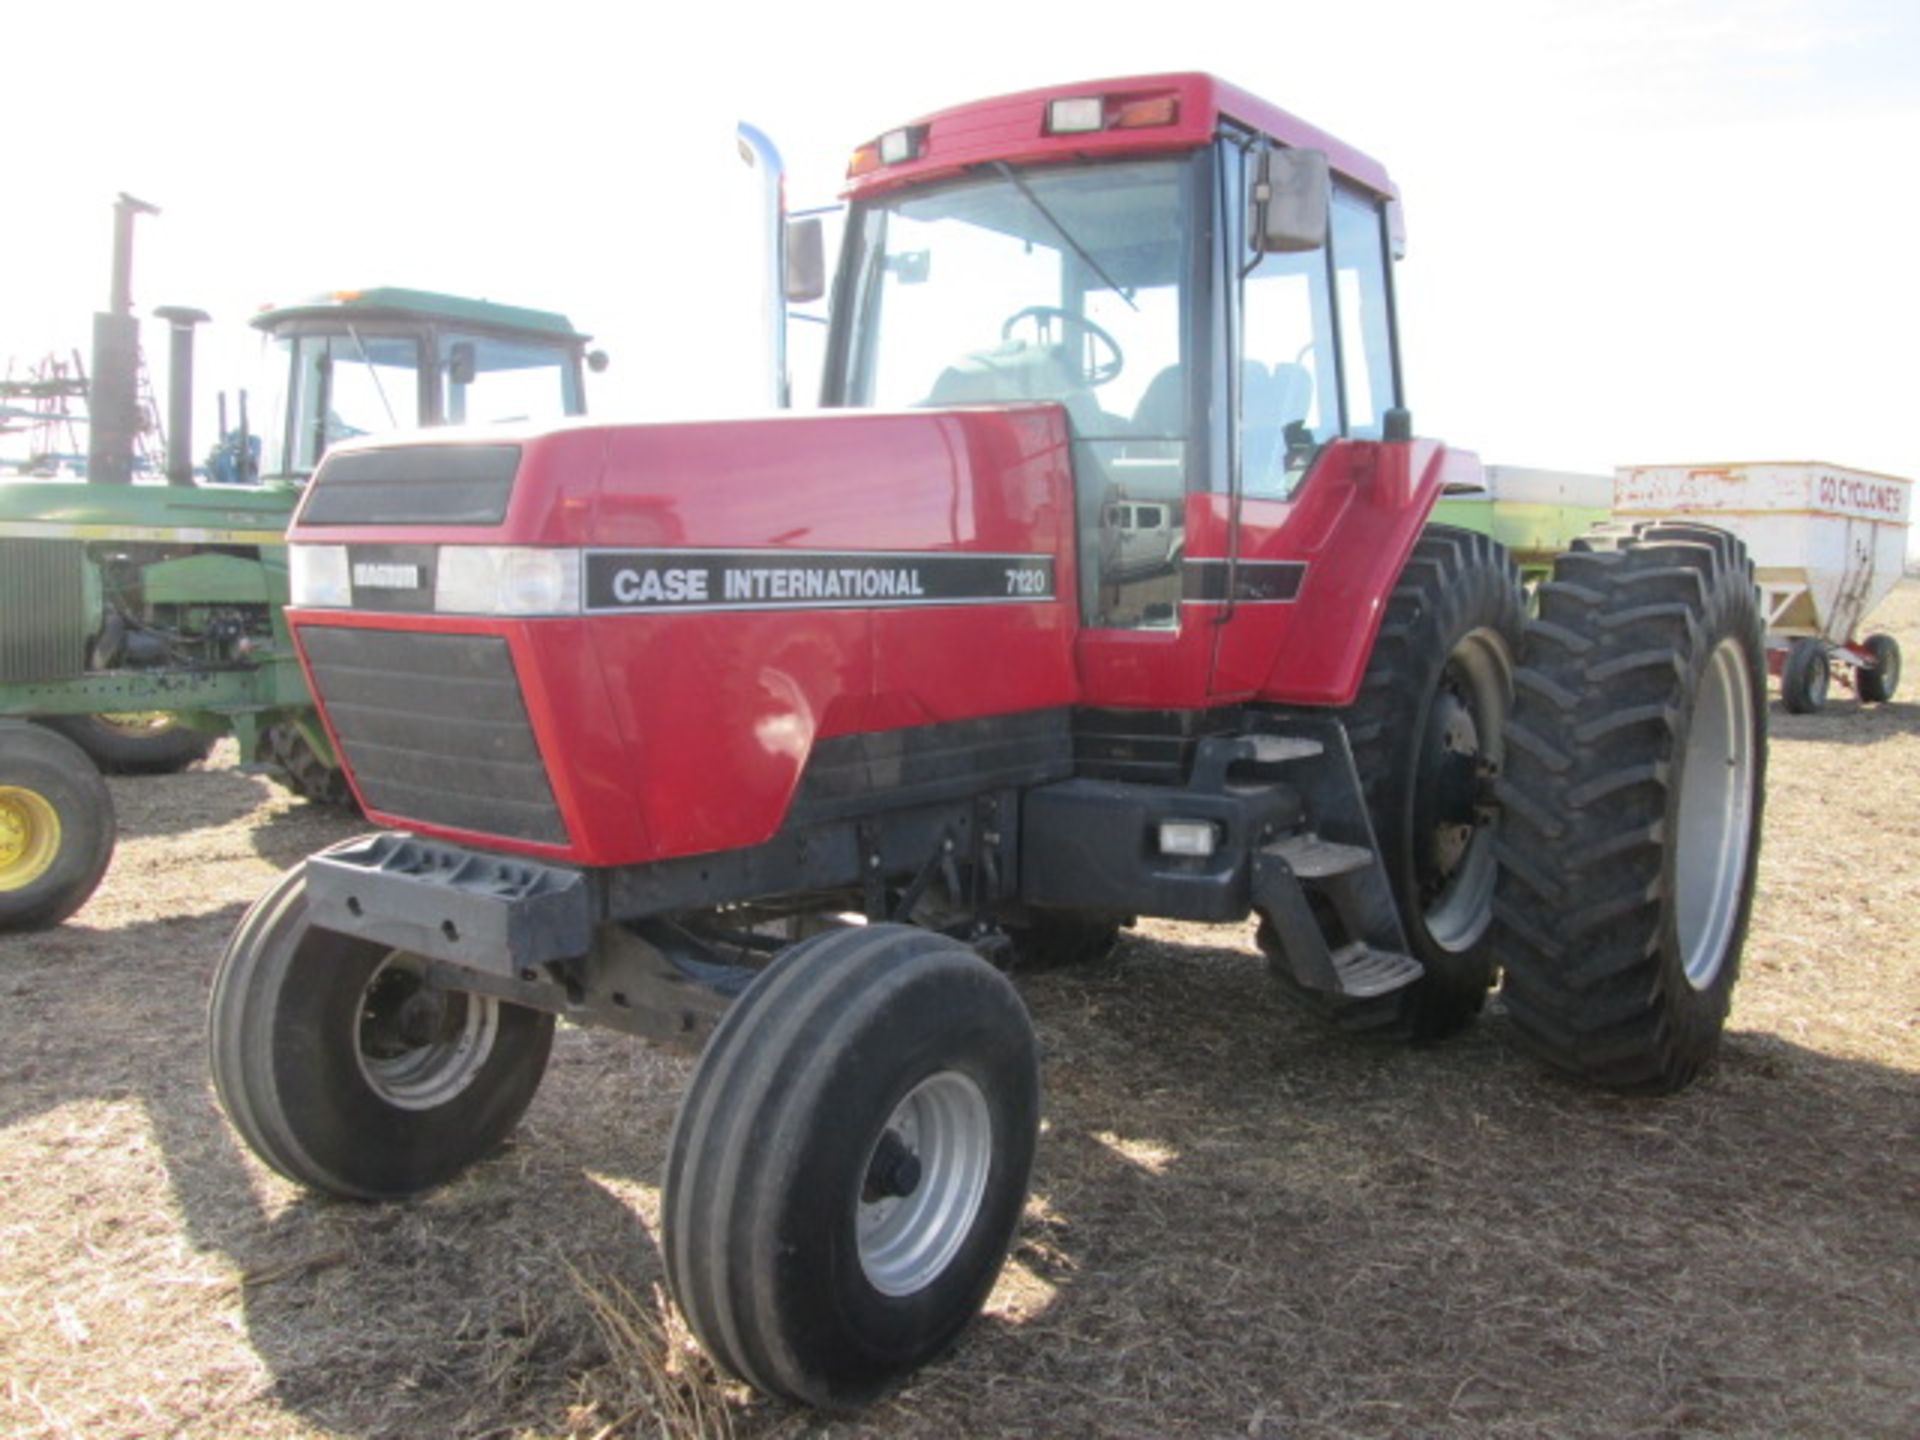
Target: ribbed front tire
[[343, 1070], [850, 1162]]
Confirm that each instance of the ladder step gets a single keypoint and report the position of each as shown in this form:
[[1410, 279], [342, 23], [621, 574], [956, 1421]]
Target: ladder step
[[1365, 972], [1278, 749], [1311, 858]]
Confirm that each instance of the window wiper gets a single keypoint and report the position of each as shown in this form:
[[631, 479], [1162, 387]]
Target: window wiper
[[378, 388], [1078, 249]]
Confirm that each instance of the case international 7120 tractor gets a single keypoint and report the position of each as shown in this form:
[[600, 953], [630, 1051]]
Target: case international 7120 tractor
[[1104, 589]]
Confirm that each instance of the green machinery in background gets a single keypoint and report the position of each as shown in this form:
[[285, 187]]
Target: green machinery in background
[[139, 621], [1536, 514]]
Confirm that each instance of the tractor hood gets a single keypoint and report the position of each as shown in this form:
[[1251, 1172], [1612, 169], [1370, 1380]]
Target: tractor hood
[[555, 641]]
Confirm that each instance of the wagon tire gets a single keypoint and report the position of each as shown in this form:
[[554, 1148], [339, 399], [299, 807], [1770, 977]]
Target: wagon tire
[[334, 1082], [134, 744], [1805, 680], [850, 1162], [1632, 804], [1440, 676], [1878, 685], [56, 827]]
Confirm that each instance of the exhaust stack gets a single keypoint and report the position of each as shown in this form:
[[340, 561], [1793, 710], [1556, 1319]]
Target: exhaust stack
[[113, 406], [181, 319]]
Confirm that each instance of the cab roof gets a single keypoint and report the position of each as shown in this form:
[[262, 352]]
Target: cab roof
[[390, 302], [1013, 128]]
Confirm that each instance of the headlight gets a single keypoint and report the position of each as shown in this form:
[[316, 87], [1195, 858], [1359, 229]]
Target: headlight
[[506, 580], [319, 575]]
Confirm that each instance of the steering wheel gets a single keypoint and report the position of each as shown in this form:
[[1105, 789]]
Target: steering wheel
[[1098, 370]]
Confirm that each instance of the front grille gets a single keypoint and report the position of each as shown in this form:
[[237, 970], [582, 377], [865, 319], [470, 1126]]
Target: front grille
[[413, 485], [43, 604], [434, 729]]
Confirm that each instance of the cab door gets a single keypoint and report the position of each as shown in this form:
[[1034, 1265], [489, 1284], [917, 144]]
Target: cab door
[[1315, 370]]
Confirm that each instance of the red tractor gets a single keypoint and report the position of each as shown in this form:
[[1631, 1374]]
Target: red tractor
[[1104, 589]]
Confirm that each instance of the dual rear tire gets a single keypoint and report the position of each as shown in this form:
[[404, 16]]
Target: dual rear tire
[[1427, 727], [1632, 805]]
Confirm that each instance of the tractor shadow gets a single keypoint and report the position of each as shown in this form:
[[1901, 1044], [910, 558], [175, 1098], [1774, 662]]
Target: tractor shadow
[[1845, 721], [459, 1312], [150, 806], [1237, 1214]]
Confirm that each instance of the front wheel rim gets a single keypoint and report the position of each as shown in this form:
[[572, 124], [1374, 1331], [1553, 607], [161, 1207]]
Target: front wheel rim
[[907, 1240], [29, 836], [1713, 826], [418, 1047]]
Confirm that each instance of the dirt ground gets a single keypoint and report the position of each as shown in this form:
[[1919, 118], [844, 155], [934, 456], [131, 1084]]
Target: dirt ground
[[1241, 1226]]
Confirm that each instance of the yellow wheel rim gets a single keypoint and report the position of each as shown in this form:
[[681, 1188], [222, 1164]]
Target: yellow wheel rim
[[29, 837], [137, 722]]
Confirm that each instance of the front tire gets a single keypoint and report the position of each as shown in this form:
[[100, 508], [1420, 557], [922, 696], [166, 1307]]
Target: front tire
[[343, 1071], [850, 1162], [1632, 806], [1431, 714], [56, 827]]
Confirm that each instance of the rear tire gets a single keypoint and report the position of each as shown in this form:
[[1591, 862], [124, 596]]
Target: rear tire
[[148, 743], [56, 827], [1433, 702], [812, 1259], [1806, 678], [1631, 806], [333, 1080], [1877, 686]]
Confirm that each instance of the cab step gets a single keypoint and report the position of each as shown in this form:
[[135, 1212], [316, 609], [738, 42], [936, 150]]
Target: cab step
[[1365, 972], [1312, 858]]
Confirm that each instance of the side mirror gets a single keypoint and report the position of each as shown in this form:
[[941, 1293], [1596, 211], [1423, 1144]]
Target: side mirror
[[806, 277], [597, 361], [461, 365], [1290, 199]]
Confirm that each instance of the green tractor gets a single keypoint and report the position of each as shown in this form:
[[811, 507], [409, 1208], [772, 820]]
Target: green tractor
[[140, 621]]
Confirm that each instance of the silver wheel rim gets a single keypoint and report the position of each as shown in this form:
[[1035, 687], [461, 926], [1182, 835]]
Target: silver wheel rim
[[907, 1240], [1459, 915], [418, 1048], [1714, 824]]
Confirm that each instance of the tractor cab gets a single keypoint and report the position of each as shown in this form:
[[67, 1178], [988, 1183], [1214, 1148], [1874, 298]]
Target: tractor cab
[[362, 362], [1201, 281]]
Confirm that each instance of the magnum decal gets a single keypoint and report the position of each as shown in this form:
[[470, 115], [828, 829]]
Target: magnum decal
[[655, 580]]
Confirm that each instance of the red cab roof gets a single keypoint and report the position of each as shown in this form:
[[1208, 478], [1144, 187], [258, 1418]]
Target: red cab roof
[[1013, 128]]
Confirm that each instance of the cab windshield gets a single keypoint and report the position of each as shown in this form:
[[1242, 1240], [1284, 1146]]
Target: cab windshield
[[1071, 285], [335, 386]]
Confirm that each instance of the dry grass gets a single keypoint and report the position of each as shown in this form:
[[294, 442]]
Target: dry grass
[[1240, 1225]]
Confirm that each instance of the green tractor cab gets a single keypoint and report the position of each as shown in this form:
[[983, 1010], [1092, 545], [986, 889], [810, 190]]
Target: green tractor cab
[[140, 621], [366, 362]]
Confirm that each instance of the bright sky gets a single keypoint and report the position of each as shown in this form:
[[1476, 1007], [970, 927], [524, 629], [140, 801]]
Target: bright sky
[[1640, 231]]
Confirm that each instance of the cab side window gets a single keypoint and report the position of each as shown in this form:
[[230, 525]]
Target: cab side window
[[1289, 378], [1366, 318]]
